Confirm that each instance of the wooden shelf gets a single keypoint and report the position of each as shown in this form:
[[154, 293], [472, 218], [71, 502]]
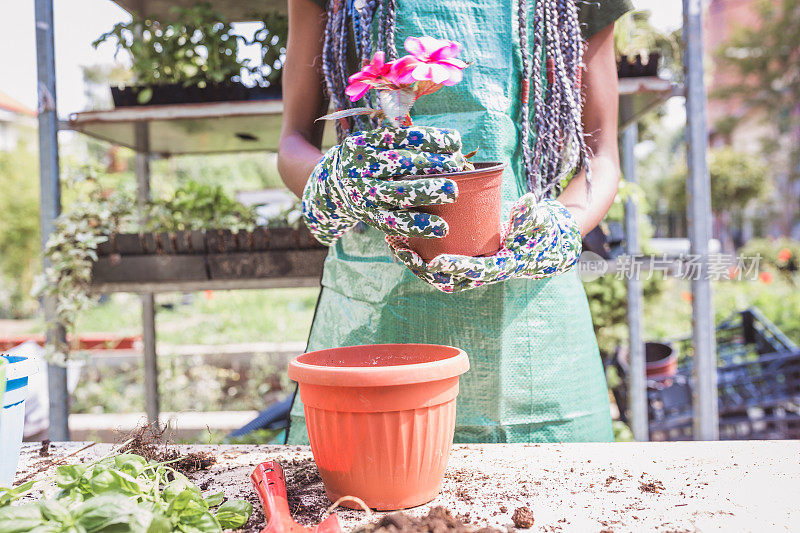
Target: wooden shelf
[[233, 10], [643, 94], [188, 128], [216, 127], [220, 127]]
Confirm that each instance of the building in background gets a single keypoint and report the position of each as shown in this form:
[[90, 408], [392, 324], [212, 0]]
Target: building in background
[[734, 120], [727, 116], [17, 124]]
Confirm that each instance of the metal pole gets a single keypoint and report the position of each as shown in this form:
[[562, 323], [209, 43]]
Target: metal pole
[[142, 168], [50, 205], [637, 379], [698, 189]]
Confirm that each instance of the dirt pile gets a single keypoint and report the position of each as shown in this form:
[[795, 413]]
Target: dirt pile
[[438, 520], [154, 445], [304, 491], [654, 487], [522, 518]]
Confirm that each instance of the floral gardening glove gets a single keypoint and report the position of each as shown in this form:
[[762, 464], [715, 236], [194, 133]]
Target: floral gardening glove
[[362, 180], [540, 240]]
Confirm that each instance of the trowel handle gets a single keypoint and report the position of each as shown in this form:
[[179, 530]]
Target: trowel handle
[[270, 486]]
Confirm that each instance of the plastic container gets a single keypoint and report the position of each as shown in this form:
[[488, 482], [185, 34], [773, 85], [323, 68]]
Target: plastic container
[[660, 360], [12, 418], [473, 219], [380, 419]]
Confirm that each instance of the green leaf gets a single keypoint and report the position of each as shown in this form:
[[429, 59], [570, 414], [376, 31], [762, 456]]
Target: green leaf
[[100, 512], [234, 514], [20, 518], [178, 485], [114, 480], [130, 463], [199, 523], [53, 510], [8, 495], [348, 113], [159, 524], [145, 95], [187, 502], [215, 499], [67, 476]]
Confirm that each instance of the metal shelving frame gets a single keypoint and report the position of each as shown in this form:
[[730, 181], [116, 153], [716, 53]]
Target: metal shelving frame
[[134, 128]]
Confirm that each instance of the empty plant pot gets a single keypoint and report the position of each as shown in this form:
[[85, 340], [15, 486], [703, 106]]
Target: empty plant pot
[[380, 419], [12, 416], [661, 361], [473, 219]]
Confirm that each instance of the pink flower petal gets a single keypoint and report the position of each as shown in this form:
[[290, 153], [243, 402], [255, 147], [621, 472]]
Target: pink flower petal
[[439, 73], [454, 74], [449, 49], [429, 44], [378, 60], [401, 69], [453, 62], [422, 72], [356, 91], [414, 46], [360, 76]]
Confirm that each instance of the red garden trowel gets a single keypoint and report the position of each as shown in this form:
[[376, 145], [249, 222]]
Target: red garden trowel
[[270, 486]]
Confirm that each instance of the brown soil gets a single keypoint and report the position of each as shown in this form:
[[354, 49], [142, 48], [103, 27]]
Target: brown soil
[[522, 518], [438, 520], [44, 451], [303, 483], [153, 445], [304, 492], [651, 486]]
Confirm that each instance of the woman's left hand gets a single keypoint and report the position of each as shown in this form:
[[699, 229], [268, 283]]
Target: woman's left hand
[[540, 240]]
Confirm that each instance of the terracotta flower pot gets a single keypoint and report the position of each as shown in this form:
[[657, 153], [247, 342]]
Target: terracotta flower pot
[[660, 360], [474, 218], [380, 419]]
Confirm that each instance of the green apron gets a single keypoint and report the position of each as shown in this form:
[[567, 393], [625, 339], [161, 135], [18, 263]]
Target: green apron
[[535, 371]]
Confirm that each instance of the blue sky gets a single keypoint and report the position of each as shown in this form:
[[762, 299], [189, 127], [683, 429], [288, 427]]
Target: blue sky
[[79, 22]]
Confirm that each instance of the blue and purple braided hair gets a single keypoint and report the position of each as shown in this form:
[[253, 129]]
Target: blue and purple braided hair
[[553, 144]]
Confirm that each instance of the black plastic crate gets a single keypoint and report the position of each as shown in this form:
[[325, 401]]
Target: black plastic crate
[[758, 380]]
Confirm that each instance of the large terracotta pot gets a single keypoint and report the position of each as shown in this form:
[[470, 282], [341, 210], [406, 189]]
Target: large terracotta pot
[[474, 218], [380, 419]]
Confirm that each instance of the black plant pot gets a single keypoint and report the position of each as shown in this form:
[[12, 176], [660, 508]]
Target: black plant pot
[[635, 67], [178, 94]]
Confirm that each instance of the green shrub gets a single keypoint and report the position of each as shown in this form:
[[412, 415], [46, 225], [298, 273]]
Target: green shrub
[[195, 46], [196, 206], [781, 255], [19, 231]]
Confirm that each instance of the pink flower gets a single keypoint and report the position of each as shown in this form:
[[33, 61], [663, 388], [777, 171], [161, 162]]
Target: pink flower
[[381, 75], [435, 60]]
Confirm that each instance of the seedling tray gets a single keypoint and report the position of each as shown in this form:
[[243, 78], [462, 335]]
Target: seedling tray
[[208, 255], [170, 94]]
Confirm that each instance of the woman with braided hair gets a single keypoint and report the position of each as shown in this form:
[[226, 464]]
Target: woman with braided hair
[[541, 95]]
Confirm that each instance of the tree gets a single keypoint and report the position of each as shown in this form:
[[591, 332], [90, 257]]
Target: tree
[[764, 61], [737, 179], [19, 230]]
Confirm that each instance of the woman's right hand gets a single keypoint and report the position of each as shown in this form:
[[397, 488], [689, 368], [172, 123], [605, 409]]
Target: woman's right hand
[[377, 176]]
